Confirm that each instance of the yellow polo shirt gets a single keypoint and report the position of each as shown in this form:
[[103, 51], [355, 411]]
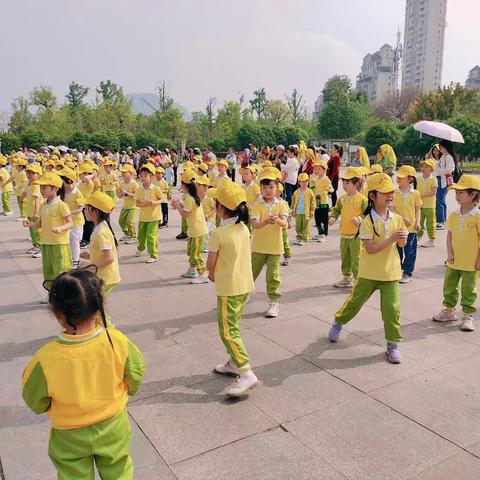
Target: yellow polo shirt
[[33, 192], [320, 187], [252, 192], [384, 265], [108, 181], [268, 239], [212, 174], [465, 239], [97, 184], [149, 214], [164, 188], [53, 214], [347, 207], [405, 204], [209, 210], [101, 240], [129, 199], [75, 200], [424, 187], [4, 177], [218, 180], [196, 224], [86, 188], [21, 183]]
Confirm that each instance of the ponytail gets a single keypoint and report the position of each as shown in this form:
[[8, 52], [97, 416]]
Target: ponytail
[[368, 212], [413, 181], [339, 149], [105, 217], [242, 213], [192, 191]]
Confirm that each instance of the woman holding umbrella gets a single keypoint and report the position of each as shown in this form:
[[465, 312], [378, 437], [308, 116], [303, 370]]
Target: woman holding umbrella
[[444, 173]]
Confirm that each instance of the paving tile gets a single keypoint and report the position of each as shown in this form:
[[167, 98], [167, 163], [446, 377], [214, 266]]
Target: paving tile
[[459, 466]]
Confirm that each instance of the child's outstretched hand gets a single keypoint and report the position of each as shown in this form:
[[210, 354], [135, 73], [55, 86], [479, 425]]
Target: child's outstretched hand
[[332, 221], [27, 224]]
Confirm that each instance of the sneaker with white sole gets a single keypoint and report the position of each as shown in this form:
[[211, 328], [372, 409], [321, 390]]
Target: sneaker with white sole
[[123, 239], [8, 214], [37, 253], [44, 300], [190, 273], [227, 368], [131, 241], [298, 242], [405, 278], [334, 333], [151, 260], [440, 226], [20, 219], [322, 239], [445, 315], [428, 244], [199, 279], [345, 282], [31, 250], [242, 385], [138, 253], [285, 262], [393, 353], [273, 310], [467, 323]]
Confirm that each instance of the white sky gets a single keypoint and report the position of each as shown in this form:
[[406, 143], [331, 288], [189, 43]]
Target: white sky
[[207, 48]]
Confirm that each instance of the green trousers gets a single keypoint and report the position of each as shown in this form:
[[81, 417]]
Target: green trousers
[[286, 244], [56, 259], [427, 222], [229, 315], [34, 235], [147, 235], [195, 253], [272, 274], [107, 444], [302, 227], [21, 205], [184, 226], [111, 194], [6, 201], [468, 289], [389, 305], [126, 220], [350, 256]]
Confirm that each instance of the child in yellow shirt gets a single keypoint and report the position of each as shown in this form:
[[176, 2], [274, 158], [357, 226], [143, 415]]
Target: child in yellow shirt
[[108, 179], [32, 208], [321, 186], [303, 207], [7, 187], [252, 190], [167, 193], [208, 207], [126, 189], [287, 251], [21, 183], [427, 187]]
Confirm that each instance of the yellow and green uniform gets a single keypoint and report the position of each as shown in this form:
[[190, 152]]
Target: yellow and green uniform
[[233, 283], [197, 231], [82, 383], [428, 209], [320, 187], [7, 188], [349, 207], [465, 232], [128, 212], [303, 204], [267, 244], [148, 219], [252, 192], [33, 196], [287, 251], [21, 184], [109, 183], [377, 271], [86, 188], [406, 205]]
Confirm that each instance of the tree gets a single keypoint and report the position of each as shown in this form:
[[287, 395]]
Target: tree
[[21, 117], [277, 112], [412, 143], [297, 106], [259, 102], [79, 140], [396, 105], [380, 133], [470, 129], [109, 93], [228, 119], [170, 125], [43, 98], [76, 94], [146, 139], [33, 138], [106, 138], [10, 142], [210, 111], [164, 99]]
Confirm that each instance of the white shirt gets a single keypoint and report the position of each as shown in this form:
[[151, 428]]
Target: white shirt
[[291, 169], [231, 159], [212, 156], [445, 166]]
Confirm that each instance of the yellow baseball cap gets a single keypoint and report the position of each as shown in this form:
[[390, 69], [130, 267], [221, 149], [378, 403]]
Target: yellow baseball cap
[[85, 168], [430, 162], [189, 176], [101, 201], [250, 168], [21, 162], [351, 172], [224, 163], [159, 170], [376, 168], [71, 164], [3, 160], [67, 173], [197, 158], [380, 182], [229, 194], [203, 167], [266, 163], [51, 179], [203, 180], [406, 171], [270, 173], [149, 167], [465, 182], [320, 163], [34, 167], [188, 165], [128, 168], [303, 177], [280, 187]]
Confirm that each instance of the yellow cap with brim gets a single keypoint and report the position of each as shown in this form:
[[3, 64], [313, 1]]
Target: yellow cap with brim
[[406, 171], [101, 201], [250, 168], [466, 182], [223, 162], [203, 180], [149, 167], [188, 165], [85, 168], [159, 170], [34, 167], [430, 162], [351, 172], [270, 173], [189, 176], [67, 173], [197, 158], [203, 167], [229, 194], [320, 163], [303, 177], [380, 182], [376, 168], [128, 168], [266, 163], [280, 188], [21, 162], [51, 179]]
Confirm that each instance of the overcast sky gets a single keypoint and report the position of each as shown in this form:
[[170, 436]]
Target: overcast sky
[[207, 48]]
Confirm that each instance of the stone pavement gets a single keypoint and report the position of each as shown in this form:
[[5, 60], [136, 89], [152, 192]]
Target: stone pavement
[[324, 411]]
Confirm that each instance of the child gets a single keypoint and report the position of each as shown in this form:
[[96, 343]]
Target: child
[[32, 209], [463, 260], [208, 207], [191, 210], [82, 381], [212, 171], [427, 187], [126, 189], [321, 186], [407, 204], [169, 172], [148, 198], [381, 231], [166, 191], [222, 176], [73, 197], [229, 268], [350, 207], [108, 179], [103, 244], [303, 207], [21, 183], [269, 217], [287, 251], [252, 190], [7, 187], [55, 222]]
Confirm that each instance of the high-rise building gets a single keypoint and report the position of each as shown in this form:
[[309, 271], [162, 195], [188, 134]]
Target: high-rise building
[[473, 80], [377, 77], [423, 44]]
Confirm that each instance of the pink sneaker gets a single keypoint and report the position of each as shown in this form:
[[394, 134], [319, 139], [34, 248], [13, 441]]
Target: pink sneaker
[[445, 315]]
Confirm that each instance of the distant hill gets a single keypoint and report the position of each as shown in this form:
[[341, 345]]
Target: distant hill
[[140, 106]]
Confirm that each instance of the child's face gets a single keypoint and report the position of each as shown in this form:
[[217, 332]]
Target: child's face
[[108, 168], [127, 176], [426, 170], [464, 198], [349, 186], [48, 168], [145, 177], [403, 182], [48, 191], [89, 213], [278, 193], [58, 167], [319, 171], [32, 176], [269, 191], [383, 200], [201, 190], [247, 176], [303, 185], [221, 169], [159, 176]]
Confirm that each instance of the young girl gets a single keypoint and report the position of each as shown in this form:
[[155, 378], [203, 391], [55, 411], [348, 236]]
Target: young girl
[[126, 190], [303, 206], [103, 244], [269, 217], [287, 251], [32, 207], [21, 183], [381, 231], [427, 187], [228, 267], [148, 198], [7, 187], [208, 207], [463, 253], [108, 179], [407, 203], [82, 380], [222, 176], [73, 197], [191, 210], [55, 222], [321, 186], [350, 208], [252, 190], [166, 191]]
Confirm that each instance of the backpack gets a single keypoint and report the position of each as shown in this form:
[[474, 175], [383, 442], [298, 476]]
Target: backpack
[[457, 173]]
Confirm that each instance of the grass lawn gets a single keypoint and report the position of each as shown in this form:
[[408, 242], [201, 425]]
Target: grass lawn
[[470, 167]]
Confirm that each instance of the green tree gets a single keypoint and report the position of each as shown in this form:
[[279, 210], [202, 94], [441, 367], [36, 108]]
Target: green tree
[[412, 143], [297, 106], [259, 102], [33, 138], [228, 120], [43, 98], [379, 133], [277, 112], [79, 140], [10, 142], [76, 94], [146, 139], [21, 117], [106, 138], [109, 93], [470, 129], [210, 113]]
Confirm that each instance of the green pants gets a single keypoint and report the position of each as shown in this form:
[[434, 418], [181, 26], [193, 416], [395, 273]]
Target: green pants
[[302, 227], [195, 253], [184, 226], [286, 244], [107, 444], [34, 235], [111, 194], [147, 234], [427, 222], [108, 289], [21, 205], [350, 256], [273, 272], [389, 305], [229, 314], [6, 201], [468, 289], [56, 259], [126, 220]]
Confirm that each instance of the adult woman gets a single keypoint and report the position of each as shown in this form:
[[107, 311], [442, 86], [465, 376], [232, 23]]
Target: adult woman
[[333, 170], [445, 167], [290, 170], [360, 158], [307, 166], [387, 159]]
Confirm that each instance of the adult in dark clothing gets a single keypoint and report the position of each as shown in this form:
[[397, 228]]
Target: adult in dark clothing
[[333, 170]]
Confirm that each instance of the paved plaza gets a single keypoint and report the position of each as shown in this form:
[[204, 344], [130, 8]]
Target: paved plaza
[[323, 410]]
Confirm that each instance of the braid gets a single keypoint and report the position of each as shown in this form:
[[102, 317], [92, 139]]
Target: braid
[[368, 212], [104, 317], [102, 216]]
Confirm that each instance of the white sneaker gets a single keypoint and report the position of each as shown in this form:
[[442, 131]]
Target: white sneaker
[[37, 253], [405, 278], [131, 241], [322, 238], [242, 385], [316, 238], [199, 279], [8, 214], [440, 226], [273, 310], [151, 260], [44, 300], [428, 244], [344, 283], [285, 262], [467, 323], [227, 369], [298, 242], [445, 315], [190, 273], [138, 253], [123, 239], [31, 250]]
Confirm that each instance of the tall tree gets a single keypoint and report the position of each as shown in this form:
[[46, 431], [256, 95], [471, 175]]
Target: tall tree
[[76, 94], [165, 101], [210, 111], [21, 117], [43, 98], [277, 112], [109, 93], [297, 106], [259, 102], [396, 105]]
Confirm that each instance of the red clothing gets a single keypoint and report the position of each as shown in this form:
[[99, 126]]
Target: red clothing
[[308, 167], [333, 170]]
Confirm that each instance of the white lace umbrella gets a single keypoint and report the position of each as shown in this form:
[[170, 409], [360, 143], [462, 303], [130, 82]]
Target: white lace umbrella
[[439, 130]]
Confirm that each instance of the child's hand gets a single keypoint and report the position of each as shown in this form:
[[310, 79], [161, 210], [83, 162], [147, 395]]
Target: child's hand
[[477, 264], [26, 223], [211, 277], [356, 221], [272, 219], [451, 259], [56, 230], [399, 235], [417, 226], [332, 221], [407, 221], [85, 255]]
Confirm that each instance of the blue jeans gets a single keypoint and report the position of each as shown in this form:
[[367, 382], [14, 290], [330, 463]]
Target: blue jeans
[[441, 203], [408, 254]]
